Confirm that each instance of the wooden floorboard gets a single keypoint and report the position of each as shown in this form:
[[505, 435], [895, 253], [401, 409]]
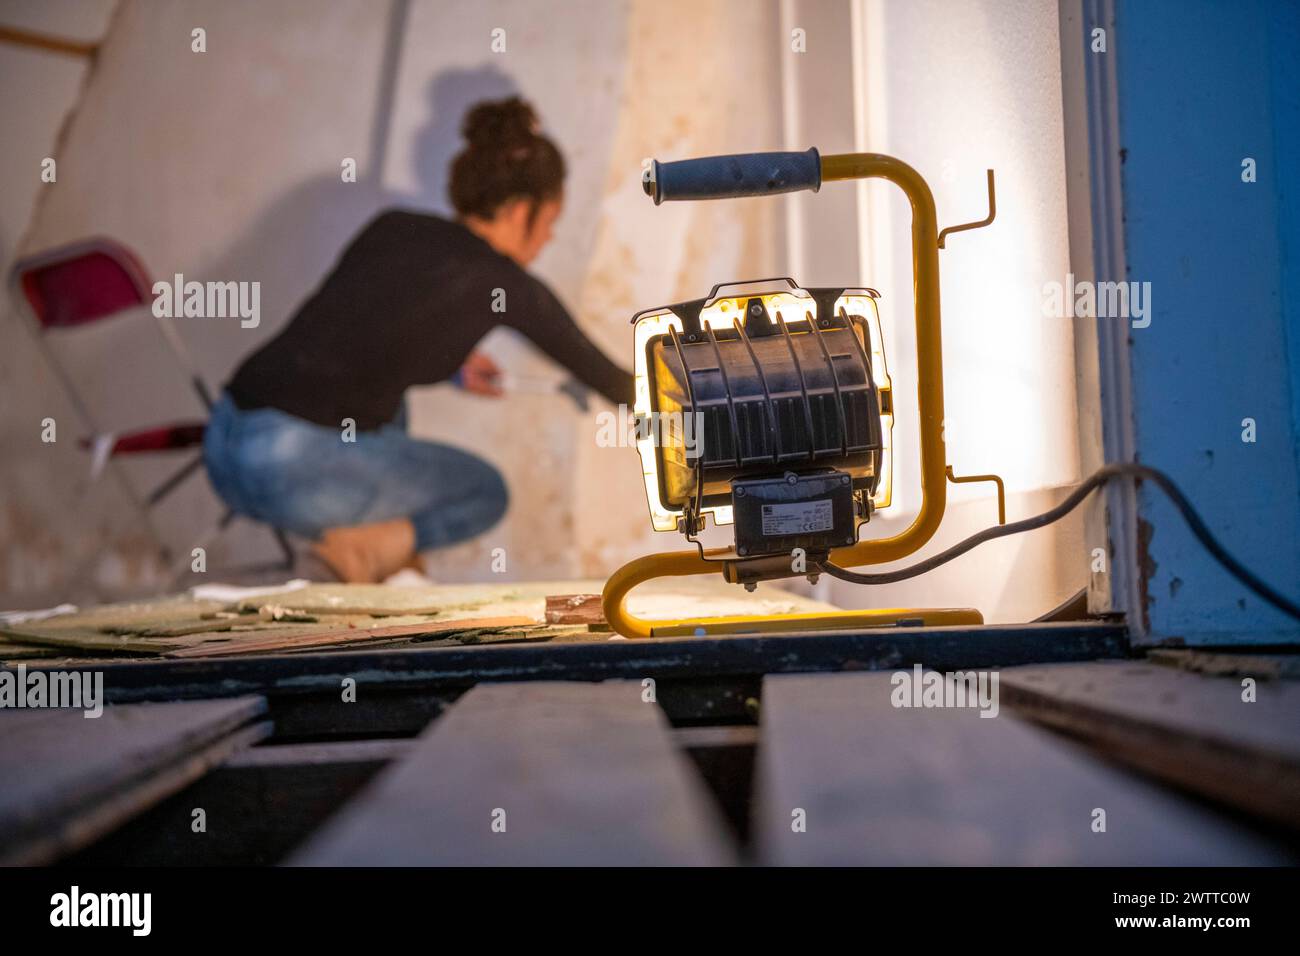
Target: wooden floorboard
[[946, 648], [324, 639], [578, 774], [1190, 729], [260, 804], [69, 779], [1240, 662], [884, 785]]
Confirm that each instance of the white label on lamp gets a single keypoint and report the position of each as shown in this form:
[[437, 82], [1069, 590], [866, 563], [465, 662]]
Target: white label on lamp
[[800, 517]]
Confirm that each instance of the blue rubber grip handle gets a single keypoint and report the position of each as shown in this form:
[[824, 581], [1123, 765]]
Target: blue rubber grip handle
[[728, 177]]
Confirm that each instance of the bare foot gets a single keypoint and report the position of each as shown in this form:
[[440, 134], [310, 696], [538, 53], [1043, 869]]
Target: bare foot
[[366, 554]]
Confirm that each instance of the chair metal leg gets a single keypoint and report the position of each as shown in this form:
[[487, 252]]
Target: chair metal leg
[[288, 558], [285, 548], [168, 486]]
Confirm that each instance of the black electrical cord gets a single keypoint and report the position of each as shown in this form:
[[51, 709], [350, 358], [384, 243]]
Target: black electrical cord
[[1094, 481]]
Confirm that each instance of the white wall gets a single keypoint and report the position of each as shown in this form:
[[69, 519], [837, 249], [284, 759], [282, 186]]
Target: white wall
[[953, 89], [52, 518], [225, 165]]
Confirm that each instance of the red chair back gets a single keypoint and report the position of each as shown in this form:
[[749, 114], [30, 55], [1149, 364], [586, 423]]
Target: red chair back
[[82, 283], [77, 285]]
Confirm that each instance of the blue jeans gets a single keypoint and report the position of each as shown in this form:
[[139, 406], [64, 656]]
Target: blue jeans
[[302, 477]]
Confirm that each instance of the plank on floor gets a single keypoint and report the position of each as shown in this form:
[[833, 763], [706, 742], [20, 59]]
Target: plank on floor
[[260, 804], [1238, 663], [275, 643], [68, 778], [881, 785], [1190, 729], [580, 774]]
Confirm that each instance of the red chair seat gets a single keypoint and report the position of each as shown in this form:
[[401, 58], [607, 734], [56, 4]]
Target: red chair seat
[[162, 438]]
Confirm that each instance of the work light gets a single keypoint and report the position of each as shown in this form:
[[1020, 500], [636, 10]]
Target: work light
[[768, 407]]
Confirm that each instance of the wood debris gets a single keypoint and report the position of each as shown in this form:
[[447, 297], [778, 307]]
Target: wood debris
[[574, 609]]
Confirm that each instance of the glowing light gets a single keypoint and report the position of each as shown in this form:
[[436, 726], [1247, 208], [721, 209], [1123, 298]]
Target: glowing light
[[721, 313]]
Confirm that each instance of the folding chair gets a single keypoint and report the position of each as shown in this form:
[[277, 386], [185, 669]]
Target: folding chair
[[95, 287]]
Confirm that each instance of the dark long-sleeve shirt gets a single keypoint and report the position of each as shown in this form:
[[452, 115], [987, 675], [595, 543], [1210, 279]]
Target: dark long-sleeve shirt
[[404, 305]]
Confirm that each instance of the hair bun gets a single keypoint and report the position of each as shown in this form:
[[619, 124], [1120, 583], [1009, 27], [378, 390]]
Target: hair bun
[[506, 157], [500, 124]]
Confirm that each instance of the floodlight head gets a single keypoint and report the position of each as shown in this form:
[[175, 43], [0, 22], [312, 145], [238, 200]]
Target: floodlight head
[[764, 380]]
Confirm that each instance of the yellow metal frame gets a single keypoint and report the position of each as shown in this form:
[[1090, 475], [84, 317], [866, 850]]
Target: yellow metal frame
[[995, 479], [929, 357]]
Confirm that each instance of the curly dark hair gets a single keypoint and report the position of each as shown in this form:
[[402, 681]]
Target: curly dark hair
[[505, 157]]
